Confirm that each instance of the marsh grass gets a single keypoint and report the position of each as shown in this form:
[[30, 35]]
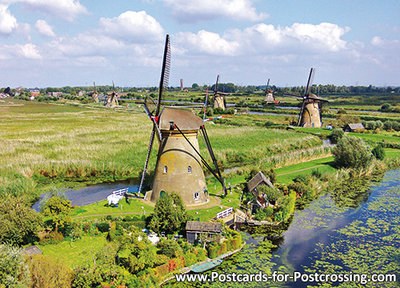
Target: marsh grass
[[48, 143]]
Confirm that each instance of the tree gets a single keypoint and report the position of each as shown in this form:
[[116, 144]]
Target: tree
[[352, 152], [18, 223], [58, 209], [272, 193], [169, 214]]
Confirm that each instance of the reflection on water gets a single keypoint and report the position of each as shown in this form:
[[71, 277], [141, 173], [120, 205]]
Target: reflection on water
[[352, 231]]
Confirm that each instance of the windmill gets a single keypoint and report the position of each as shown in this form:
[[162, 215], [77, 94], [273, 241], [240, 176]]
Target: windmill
[[219, 97], [269, 94], [179, 166], [310, 113], [95, 95], [112, 98]]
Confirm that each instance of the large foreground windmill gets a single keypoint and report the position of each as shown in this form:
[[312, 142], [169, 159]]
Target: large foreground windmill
[[310, 113], [219, 97], [179, 165], [112, 98]]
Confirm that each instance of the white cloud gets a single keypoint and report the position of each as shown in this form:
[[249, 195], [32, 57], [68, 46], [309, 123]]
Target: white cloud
[[132, 26], [29, 51], [8, 23], [205, 42], [44, 28], [194, 10], [65, 9]]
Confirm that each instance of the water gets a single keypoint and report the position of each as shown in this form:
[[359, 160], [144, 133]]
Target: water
[[91, 194], [340, 233]]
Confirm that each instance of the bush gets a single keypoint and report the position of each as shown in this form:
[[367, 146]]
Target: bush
[[272, 193], [302, 178], [169, 248], [352, 152], [103, 227], [336, 135], [378, 152], [268, 211], [260, 215]]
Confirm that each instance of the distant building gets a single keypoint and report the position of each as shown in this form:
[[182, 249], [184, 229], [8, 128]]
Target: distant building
[[55, 94], [35, 93], [81, 93], [354, 127], [195, 228]]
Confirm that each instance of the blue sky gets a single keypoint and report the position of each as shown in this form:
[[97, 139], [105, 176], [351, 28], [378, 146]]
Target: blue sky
[[70, 42]]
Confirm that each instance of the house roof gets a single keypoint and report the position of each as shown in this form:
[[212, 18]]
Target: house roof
[[184, 119], [257, 180], [215, 227], [31, 250], [354, 126]]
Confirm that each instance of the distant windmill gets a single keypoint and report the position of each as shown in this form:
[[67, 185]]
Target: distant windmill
[[179, 165], [112, 98], [219, 97], [269, 94], [181, 84], [310, 113], [95, 95]]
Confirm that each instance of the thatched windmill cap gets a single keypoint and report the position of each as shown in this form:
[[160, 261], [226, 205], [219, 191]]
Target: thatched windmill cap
[[184, 119]]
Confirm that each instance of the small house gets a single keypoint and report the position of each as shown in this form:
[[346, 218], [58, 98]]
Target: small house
[[32, 250], [261, 200], [353, 127], [195, 228]]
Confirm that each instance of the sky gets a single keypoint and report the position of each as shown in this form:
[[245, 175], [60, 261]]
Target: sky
[[55, 43]]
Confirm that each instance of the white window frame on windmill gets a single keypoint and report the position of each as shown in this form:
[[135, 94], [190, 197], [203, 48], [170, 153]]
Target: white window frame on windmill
[[196, 197], [165, 170], [190, 169]]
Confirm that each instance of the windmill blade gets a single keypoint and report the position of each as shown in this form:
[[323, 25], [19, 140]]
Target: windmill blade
[[301, 112], [205, 105], [146, 163], [309, 82], [266, 88], [164, 72], [317, 98], [95, 88], [113, 85], [216, 86]]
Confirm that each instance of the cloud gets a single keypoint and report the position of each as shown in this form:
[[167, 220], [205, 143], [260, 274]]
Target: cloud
[[8, 23], [205, 42], [65, 9], [29, 51], [132, 26], [194, 10], [44, 28], [297, 38]]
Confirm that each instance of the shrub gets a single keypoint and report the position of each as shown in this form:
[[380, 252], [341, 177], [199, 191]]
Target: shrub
[[352, 152], [268, 211], [316, 173], [302, 178], [336, 135], [378, 152], [272, 193], [169, 248], [103, 227], [260, 215]]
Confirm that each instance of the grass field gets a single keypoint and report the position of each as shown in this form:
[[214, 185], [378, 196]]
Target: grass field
[[76, 253], [73, 144]]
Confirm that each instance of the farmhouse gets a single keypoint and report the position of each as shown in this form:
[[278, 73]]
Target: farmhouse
[[195, 228], [353, 127]]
